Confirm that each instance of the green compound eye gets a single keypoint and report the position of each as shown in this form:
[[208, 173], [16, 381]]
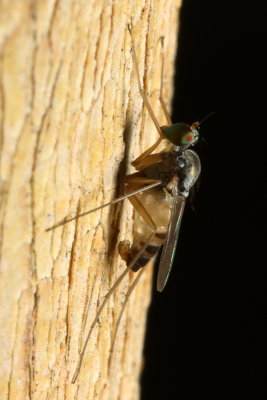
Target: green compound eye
[[181, 134], [188, 138]]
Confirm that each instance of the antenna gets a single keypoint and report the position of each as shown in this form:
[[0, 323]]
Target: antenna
[[206, 117]]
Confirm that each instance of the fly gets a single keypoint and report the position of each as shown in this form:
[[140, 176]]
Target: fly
[[158, 191]]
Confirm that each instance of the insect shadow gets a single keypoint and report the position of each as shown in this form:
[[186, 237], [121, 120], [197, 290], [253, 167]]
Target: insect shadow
[[115, 211]]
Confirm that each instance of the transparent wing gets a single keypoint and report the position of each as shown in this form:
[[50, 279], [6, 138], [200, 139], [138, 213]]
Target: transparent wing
[[169, 247]]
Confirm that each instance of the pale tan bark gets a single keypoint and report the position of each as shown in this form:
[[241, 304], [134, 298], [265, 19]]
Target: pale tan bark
[[71, 121]]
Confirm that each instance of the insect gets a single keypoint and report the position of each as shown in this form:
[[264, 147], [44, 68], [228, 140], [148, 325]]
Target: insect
[[158, 191]]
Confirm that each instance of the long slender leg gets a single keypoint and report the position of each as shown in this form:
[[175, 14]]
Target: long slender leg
[[133, 182], [140, 180], [137, 162], [149, 108], [162, 102], [113, 288], [127, 296], [142, 189], [143, 212], [149, 160], [110, 292], [141, 91]]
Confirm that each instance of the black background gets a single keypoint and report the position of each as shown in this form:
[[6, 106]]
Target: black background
[[206, 332]]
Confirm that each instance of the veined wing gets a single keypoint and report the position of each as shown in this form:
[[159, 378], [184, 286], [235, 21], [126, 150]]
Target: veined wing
[[169, 247]]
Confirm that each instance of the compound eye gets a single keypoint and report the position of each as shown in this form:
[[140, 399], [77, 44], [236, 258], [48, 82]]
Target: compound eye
[[188, 138], [181, 134]]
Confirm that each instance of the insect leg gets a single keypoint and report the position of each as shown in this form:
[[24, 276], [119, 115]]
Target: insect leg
[[162, 102], [110, 292], [141, 91], [127, 296], [133, 182], [149, 108], [138, 160], [149, 160], [65, 221], [134, 179], [143, 212]]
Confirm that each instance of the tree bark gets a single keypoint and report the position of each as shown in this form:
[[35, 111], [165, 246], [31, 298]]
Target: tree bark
[[71, 122]]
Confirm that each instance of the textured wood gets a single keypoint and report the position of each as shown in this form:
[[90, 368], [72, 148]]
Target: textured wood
[[71, 120]]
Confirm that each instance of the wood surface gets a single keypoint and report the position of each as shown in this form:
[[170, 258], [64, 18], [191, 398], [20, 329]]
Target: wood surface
[[71, 121]]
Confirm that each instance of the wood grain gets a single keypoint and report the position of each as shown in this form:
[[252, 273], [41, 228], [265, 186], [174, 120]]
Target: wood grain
[[71, 121]]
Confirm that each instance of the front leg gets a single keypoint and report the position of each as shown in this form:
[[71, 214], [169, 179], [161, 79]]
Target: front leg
[[134, 182], [136, 162], [140, 162]]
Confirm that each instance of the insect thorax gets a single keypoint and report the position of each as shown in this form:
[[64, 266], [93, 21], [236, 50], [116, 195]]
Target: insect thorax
[[188, 171], [185, 164], [181, 164]]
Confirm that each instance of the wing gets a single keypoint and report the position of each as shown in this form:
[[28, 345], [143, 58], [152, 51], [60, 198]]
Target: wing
[[169, 247]]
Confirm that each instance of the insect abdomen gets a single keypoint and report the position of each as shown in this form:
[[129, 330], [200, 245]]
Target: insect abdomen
[[158, 205], [149, 251]]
